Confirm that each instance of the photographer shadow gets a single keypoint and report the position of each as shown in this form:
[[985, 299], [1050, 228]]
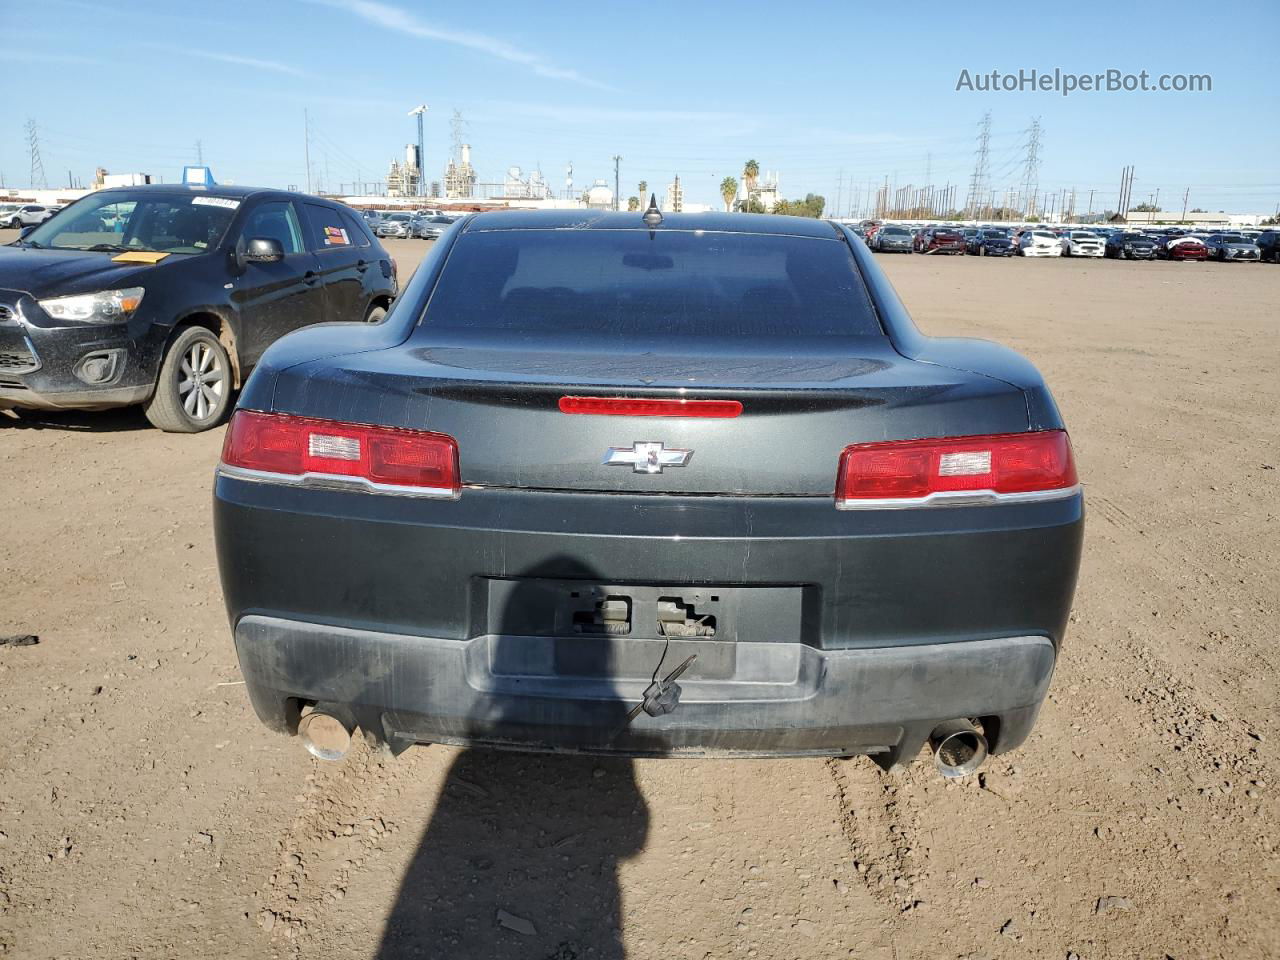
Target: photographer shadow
[[520, 858]]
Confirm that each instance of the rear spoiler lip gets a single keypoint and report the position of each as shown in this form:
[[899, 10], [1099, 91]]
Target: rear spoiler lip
[[980, 357]]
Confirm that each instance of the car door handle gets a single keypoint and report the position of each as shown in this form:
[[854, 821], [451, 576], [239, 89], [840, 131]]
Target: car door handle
[[311, 278]]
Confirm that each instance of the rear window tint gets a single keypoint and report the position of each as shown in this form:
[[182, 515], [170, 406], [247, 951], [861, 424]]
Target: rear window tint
[[355, 228], [328, 231], [629, 283]]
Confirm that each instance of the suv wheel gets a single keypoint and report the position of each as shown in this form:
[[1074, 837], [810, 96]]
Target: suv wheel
[[376, 314], [193, 390]]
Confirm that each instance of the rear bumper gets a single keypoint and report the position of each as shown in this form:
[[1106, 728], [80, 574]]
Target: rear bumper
[[838, 632], [781, 699]]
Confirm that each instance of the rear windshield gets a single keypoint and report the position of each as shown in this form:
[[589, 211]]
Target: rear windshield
[[631, 283]]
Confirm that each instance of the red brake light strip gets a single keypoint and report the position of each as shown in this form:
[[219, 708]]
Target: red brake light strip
[[650, 407]]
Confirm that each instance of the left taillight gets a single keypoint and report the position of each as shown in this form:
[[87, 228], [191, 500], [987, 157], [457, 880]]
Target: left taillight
[[274, 446], [1011, 466]]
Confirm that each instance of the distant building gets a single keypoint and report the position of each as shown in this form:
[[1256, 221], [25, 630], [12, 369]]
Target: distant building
[[675, 196], [516, 187], [1198, 218], [103, 179], [598, 196]]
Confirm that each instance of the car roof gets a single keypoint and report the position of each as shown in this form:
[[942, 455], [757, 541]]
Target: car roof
[[609, 220], [217, 190]]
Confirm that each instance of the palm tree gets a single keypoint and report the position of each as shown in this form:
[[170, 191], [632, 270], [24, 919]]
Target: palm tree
[[750, 174], [728, 190], [633, 204], [643, 186]]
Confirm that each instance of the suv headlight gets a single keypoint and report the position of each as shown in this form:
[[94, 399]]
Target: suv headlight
[[105, 306]]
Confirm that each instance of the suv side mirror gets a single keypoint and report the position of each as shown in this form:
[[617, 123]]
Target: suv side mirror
[[263, 250]]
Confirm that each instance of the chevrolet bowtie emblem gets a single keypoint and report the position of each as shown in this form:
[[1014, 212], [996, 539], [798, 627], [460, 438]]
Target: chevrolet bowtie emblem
[[646, 456]]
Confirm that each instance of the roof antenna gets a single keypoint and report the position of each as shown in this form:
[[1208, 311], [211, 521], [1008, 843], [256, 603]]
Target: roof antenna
[[652, 216]]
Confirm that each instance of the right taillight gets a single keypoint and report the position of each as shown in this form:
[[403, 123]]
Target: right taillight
[[1008, 466], [285, 448]]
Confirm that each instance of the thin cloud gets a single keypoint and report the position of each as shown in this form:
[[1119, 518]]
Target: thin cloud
[[19, 56], [235, 59], [393, 18]]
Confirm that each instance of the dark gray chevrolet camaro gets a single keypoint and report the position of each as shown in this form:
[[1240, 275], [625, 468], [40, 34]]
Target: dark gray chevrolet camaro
[[689, 485]]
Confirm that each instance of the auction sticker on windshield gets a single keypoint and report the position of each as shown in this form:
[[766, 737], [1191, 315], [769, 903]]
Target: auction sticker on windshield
[[226, 202], [335, 237]]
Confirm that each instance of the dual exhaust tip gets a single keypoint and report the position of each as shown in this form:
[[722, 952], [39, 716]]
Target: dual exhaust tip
[[959, 748]]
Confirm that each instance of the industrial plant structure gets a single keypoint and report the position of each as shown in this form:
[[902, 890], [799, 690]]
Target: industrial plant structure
[[460, 176], [403, 179]]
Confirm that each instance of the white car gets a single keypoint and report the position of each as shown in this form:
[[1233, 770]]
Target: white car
[[27, 215], [1039, 243], [1082, 243]]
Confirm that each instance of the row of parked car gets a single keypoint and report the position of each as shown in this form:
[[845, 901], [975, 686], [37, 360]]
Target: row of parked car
[[408, 224], [1121, 243]]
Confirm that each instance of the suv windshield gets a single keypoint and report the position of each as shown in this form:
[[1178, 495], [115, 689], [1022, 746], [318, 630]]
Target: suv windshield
[[141, 221], [634, 284]]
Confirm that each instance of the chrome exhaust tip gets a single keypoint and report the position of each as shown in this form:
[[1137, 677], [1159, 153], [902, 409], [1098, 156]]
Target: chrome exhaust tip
[[958, 748], [325, 736]]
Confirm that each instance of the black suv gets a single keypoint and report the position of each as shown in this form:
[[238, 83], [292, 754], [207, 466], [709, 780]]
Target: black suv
[[168, 295], [1269, 245]]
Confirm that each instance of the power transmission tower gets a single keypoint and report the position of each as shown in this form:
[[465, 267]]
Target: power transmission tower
[[1185, 196], [1031, 168], [457, 134], [199, 154], [617, 183], [37, 165], [981, 168]]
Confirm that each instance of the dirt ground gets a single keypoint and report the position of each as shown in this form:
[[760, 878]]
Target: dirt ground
[[145, 813]]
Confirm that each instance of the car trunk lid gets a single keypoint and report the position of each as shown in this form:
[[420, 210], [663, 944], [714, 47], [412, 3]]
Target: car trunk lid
[[802, 403]]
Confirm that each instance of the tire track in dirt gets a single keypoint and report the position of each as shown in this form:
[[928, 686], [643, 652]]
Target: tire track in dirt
[[881, 823]]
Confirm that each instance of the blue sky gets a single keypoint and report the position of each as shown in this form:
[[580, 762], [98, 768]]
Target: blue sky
[[835, 96]]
